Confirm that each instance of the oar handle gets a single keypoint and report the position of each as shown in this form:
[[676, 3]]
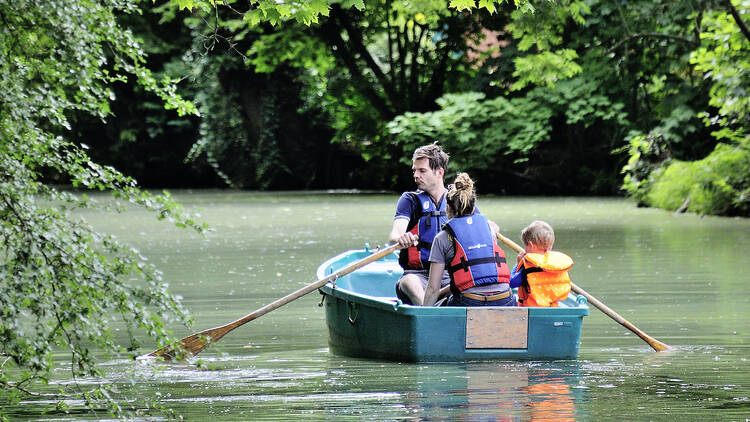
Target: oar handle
[[193, 344], [513, 245], [316, 285], [654, 343]]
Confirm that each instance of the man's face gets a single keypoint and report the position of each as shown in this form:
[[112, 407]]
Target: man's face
[[426, 178]]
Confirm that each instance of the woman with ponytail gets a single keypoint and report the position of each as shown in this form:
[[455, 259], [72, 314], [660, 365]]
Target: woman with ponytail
[[467, 248]]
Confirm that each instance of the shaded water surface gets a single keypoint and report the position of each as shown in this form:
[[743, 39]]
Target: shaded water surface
[[683, 279]]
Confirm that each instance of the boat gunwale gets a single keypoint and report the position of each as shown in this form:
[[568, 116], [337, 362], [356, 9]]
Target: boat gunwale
[[396, 305]]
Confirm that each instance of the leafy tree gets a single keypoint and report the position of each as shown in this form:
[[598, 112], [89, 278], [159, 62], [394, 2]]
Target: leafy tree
[[388, 59], [362, 65], [718, 183], [256, 126], [509, 134], [723, 56], [142, 139], [62, 284], [624, 73], [575, 81]]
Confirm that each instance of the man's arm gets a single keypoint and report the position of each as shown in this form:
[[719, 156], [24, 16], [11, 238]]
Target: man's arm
[[433, 283], [398, 233], [398, 229]]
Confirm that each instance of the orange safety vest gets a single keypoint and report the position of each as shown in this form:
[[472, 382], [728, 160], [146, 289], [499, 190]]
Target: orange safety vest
[[547, 279]]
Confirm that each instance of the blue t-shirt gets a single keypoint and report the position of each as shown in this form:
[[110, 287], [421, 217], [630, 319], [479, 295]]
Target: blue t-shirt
[[517, 277], [406, 205]]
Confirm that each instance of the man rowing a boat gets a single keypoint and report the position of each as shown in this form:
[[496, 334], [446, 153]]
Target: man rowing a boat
[[420, 216]]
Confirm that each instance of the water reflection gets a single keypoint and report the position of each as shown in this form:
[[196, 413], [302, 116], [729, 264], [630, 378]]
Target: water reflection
[[497, 391], [263, 387]]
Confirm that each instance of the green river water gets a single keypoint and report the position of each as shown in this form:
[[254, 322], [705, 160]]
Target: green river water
[[683, 279]]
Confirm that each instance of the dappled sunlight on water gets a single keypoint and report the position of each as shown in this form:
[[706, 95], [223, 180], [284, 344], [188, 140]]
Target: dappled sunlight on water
[[684, 280]]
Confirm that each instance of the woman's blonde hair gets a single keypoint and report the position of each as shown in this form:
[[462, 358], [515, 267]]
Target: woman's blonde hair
[[461, 195]]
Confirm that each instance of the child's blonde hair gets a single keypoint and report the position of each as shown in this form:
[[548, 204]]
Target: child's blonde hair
[[539, 233]]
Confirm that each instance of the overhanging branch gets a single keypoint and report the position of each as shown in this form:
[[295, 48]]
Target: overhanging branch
[[738, 19], [331, 31], [650, 35]]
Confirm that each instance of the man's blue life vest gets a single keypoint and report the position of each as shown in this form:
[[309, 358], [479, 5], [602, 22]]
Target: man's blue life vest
[[479, 260], [425, 222]]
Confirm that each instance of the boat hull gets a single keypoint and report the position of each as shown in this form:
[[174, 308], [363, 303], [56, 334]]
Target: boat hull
[[364, 319]]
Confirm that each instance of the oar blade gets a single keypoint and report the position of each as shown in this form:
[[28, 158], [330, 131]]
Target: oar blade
[[190, 345], [659, 346]]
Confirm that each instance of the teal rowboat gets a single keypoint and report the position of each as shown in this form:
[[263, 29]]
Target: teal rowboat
[[365, 319]]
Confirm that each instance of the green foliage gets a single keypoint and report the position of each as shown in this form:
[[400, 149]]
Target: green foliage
[[256, 118], [308, 12], [543, 29], [63, 286], [361, 67], [539, 34], [545, 68], [292, 46], [718, 184], [724, 56], [471, 126], [647, 153], [574, 80], [240, 158]]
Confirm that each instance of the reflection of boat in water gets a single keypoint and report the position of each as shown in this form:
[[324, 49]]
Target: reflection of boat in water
[[365, 319], [498, 391]]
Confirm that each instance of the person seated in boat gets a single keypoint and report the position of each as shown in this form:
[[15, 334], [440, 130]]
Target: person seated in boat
[[468, 249], [419, 217], [541, 274]]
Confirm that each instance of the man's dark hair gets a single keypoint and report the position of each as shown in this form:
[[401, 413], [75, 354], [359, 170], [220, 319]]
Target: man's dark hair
[[437, 157]]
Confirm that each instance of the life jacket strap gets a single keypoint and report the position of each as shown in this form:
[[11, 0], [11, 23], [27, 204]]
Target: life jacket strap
[[464, 264], [435, 213]]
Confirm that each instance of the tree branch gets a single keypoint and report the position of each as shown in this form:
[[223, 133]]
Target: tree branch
[[437, 79], [650, 35], [403, 40], [331, 31], [388, 29], [358, 45], [414, 67], [737, 18]]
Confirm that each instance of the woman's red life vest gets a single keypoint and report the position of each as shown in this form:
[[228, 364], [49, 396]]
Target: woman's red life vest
[[547, 279], [479, 260], [426, 222]]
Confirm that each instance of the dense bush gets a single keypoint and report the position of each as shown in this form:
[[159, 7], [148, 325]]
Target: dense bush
[[513, 137], [717, 184]]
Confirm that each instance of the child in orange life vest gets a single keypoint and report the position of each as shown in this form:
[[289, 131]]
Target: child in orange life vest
[[541, 274]]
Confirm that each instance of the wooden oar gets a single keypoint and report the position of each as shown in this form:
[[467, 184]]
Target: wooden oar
[[192, 345], [654, 343]]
